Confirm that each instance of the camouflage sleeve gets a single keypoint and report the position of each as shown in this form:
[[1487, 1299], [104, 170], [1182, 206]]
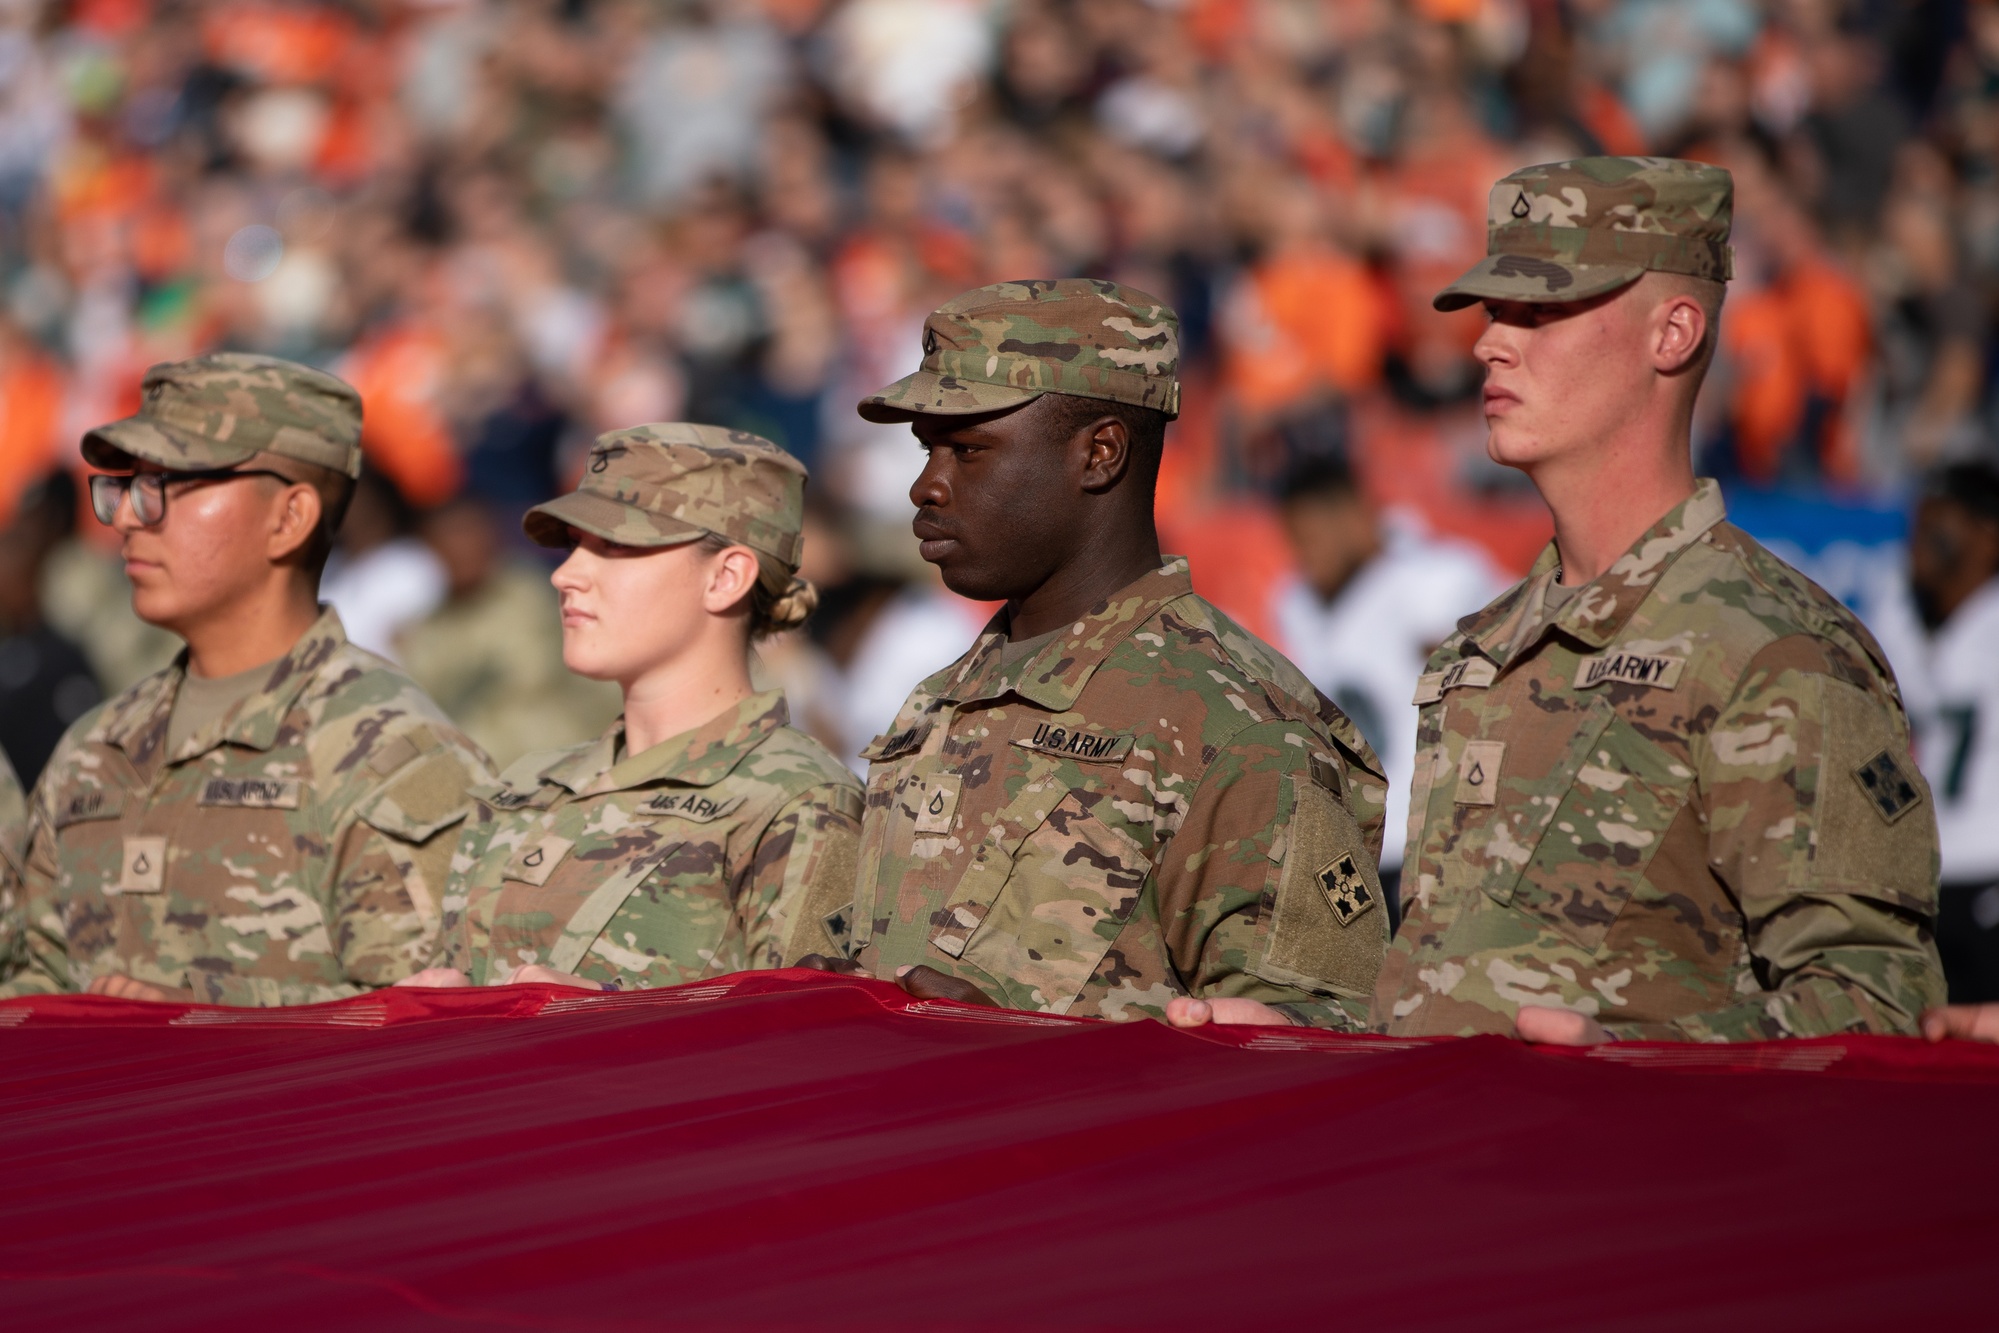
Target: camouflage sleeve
[[36, 939], [1268, 890], [1819, 823], [455, 943], [804, 868]]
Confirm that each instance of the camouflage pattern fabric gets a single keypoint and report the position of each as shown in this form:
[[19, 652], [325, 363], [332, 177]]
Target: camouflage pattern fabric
[[225, 408], [672, 482], [295, 850], [1568, 231], [1682, 803], [1153, 804], [1004, 345], [13, 846], [689, 860]]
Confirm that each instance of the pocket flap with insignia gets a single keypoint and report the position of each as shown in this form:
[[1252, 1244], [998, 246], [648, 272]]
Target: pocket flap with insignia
[[698, 806], [1478, 772], [1076, 742], [1473, 673], [251, 793], [939, 804], [143, 867], [534, 863], [86, 805]]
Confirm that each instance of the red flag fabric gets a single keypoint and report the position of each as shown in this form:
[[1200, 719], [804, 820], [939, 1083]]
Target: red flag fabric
[[784, 1148]]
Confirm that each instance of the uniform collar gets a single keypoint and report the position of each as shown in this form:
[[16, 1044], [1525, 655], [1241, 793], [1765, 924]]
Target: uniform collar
[[697, 758], [139, 725], [1054, 677], [1597, 612]]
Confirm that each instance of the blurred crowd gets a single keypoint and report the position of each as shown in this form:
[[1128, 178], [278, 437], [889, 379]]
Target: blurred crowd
[[516, 223]]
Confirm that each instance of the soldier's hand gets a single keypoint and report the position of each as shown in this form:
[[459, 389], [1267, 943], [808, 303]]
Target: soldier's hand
[[1965, 1022], [927, 983], [819, 962], [439, 977], [121, 987], [1184, 1011], [1558, 1027], [534, 974]]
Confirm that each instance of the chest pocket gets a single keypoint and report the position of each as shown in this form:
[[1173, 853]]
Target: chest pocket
[[1040, 920], [1572, 861]]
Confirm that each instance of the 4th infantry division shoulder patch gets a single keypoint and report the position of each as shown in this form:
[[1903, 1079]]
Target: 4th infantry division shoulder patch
[[1345, 890], [1887, 786]]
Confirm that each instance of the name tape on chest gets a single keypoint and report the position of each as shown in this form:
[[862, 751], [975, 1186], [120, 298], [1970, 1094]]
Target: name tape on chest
[[698, 806], [1474, 673], [88, 805], [512, 799], [143, 867], [897, 744], [1656, 670], [534, 863], [251, 793], [1092, 747]]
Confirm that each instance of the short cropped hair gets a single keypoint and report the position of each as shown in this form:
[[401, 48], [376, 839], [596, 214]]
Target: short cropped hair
[[1973, 485], [1067, 413]]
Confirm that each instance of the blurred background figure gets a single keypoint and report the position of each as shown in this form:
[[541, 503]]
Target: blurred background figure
[[1373, 595], [490, 652], [516, 224], [1949, 670], [45, 681]]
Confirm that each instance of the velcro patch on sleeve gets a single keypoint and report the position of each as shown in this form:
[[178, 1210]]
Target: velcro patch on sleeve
[[1474, 673], [252, 793], [392, 755], [1888, 788], [701, 807], [1092, 747], [1657, 670]]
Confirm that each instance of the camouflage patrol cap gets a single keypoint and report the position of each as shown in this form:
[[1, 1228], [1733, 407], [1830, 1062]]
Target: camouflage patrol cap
[[673, 482], [1567, 231], [1007, 344], [224, 408]]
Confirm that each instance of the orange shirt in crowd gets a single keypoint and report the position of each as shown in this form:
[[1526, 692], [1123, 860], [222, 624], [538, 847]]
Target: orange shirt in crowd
[[400, 374], [1805, 335], [31, 400], [1303, 320]]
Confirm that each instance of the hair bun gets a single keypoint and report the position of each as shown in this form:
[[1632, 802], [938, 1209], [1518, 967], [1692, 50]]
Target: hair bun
[[790, 608]]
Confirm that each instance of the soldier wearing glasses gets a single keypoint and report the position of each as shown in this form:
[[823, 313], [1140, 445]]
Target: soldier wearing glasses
[[268, 820]]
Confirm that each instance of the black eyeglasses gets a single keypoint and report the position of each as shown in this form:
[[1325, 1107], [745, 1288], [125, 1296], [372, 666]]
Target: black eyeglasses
[[149, 491]]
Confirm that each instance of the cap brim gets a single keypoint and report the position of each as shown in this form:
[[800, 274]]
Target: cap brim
[[549, 523], [1534, 280], [928, 394], [118, 446]]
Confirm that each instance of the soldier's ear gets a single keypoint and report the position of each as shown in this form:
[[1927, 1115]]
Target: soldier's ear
[[1109, 454], [1680, 333], [297, 520]]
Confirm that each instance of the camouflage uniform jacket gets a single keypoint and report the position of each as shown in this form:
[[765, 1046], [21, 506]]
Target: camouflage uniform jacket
[[293, 851], [685, 861], [13, 845], [1154, 804], [1682, 803]]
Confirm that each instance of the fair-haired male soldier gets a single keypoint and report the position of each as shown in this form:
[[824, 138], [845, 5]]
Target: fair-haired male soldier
[[1663, 785], [1116, 798], [266, 821]]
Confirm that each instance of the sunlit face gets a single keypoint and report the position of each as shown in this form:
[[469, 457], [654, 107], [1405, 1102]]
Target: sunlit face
[[626, 610], [1560, 377], [210, 549]]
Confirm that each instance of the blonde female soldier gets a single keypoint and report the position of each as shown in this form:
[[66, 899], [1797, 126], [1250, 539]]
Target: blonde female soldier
[[680, 844]]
